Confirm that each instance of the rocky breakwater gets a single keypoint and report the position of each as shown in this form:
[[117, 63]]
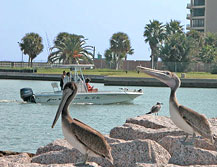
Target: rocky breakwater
[[162, 131], [142, 141]]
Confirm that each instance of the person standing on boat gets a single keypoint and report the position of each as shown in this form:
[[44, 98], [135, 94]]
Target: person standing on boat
[[89, 87], [61, 80], [66, 79]]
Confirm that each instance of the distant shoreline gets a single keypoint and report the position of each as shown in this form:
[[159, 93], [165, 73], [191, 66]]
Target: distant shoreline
[[112, 81]]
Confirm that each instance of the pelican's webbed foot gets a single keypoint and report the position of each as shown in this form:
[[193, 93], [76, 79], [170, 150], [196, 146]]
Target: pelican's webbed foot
[[184, 142], [84, 162]]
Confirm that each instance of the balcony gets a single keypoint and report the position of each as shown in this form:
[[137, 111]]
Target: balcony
[[197, 17], [188, 16], [189, 6], [188, 27]]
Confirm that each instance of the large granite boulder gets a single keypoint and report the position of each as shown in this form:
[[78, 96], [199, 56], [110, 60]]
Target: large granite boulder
[[129, 153], [59, 157], [125, 153], [131, 131], [153, 122], [22, 158], [16, 159], [201, 153], [56, 145]]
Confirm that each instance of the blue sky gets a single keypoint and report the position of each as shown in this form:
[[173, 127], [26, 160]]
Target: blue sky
[[96, 20]]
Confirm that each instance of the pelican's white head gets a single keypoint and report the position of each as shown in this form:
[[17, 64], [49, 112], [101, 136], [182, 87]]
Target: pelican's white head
[[69, 92], [167, 77]]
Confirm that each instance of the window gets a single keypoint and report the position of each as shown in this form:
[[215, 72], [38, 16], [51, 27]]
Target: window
[[198, 23], [198, 12], [199, 2]]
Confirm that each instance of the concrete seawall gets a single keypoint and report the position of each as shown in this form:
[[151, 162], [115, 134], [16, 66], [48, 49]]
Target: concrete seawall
[[113, 81]]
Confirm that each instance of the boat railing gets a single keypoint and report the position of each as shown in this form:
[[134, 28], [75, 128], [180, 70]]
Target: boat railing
[[81, 86]]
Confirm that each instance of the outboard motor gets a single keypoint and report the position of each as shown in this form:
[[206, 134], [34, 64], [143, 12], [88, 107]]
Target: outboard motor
[[27, 95]]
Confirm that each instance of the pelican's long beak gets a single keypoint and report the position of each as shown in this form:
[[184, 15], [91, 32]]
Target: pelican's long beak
[[66, 94], [163, 76]]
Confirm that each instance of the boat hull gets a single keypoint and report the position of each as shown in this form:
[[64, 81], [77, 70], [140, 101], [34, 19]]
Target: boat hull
[[90, 98]]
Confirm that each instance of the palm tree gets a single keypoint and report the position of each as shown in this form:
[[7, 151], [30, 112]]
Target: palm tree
[[211, 39], [197, 41], [175, 53], [174, 27], [31, 45], [111, 58], [208, 52], [154, 34], [120, 45], [70, 49]]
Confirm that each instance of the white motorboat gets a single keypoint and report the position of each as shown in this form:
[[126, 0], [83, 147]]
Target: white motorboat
[[83, 96]]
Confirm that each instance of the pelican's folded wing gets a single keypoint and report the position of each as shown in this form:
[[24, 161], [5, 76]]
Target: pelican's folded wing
[[91, 138], [197, 121]]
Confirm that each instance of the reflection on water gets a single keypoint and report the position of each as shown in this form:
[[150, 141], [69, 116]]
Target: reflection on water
[[27, 126]]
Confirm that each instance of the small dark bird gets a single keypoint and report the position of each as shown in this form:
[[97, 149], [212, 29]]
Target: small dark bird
[[155, 109], [81, 136]]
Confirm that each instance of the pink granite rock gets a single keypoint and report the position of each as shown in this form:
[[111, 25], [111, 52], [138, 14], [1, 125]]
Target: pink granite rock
[[131, 147], [213, 122], [152, 121], [59, 157], [19, 158], [131, 131], [189, 154], [4, 163], [57, 145], [128, 153], [125, 153]]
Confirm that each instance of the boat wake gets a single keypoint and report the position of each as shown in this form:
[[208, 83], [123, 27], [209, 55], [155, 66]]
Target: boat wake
[[11, 101]]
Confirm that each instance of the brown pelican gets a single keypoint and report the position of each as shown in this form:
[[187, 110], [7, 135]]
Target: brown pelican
[[155, 109], [81, 136], [186, 119]]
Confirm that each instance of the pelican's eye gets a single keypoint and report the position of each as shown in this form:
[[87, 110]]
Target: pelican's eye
[[167, 73]]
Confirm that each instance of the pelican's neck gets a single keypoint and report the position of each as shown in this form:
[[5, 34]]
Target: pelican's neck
[[65, 112], [173, 99], [66, 117]]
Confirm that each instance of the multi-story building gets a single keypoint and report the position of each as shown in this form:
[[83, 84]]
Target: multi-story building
[[203, 15]]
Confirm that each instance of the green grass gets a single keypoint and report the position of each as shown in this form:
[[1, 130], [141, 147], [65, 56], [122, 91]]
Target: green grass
[[200, 75], [120, 73]]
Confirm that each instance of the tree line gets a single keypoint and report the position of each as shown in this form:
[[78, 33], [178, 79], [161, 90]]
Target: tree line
[[173, 46], [168, 42]]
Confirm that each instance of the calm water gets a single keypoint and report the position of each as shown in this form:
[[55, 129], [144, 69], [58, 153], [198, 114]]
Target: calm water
[[25, 127]]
